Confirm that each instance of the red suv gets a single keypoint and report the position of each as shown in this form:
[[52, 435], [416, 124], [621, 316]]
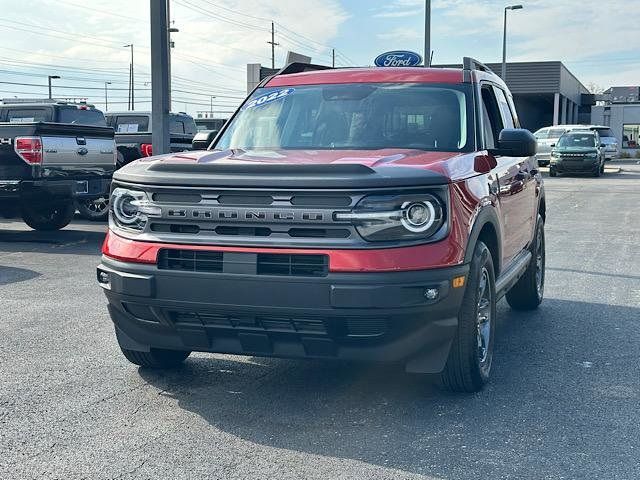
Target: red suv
[[370, 214]]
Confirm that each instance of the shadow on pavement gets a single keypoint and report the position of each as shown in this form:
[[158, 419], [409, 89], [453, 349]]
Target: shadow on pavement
[[70, 240], [555, 377], [13, 275]]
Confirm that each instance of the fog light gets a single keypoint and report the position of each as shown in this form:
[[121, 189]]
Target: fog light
[[431, 293], [104, 278], [458, 282]]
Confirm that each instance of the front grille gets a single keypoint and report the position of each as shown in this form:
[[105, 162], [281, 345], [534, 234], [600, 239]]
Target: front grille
[[334, 327], [292, 265], [190, 260], [280, 264]]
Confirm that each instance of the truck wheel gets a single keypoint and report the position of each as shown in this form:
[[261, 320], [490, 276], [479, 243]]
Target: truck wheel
[[156, 357], [95, 209], [469, 362], [528, 292], [552, 172], [48, 217]]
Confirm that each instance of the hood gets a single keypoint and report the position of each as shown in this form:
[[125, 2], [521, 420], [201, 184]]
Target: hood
[[370, 158], [301, 167]]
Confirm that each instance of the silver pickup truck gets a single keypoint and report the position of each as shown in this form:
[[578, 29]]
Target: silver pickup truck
[[54, 157]]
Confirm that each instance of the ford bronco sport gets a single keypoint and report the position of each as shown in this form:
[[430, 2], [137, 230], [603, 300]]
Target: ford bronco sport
[[370, 214]]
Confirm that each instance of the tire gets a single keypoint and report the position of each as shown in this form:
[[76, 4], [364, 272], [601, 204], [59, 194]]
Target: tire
[[156, 357], [597, 172], [528, 292], [48, 217], [553, 173], [469, 362], [602, 169], [95, 209]]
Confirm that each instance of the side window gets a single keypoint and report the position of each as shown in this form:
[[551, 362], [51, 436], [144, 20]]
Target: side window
[[505, 110], [491, 118], [542, 134], [176, 126]]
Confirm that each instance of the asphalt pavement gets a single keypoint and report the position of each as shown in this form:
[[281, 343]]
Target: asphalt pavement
[[563, 402]]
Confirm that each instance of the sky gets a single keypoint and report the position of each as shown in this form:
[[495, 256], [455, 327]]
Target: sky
[[83, 41]]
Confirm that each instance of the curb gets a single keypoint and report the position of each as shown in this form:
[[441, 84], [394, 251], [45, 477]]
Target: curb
[[606, 169]]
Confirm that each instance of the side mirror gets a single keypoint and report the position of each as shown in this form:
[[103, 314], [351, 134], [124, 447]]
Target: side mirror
[[553, 145], [516, 142]]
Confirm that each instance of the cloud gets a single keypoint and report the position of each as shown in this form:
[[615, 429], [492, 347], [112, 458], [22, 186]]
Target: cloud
[[400, 34]]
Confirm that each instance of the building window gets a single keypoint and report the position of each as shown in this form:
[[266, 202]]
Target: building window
[[631, 136]]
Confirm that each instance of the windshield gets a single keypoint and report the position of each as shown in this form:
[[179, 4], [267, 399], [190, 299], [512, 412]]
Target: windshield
[[352, 116], [577, 140], [556, 132]]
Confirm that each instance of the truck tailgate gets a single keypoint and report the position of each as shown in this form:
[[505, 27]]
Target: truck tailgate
[[81, 152]]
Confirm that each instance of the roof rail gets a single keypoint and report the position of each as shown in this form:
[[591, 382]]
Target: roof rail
[[299, 67], [469, 64]]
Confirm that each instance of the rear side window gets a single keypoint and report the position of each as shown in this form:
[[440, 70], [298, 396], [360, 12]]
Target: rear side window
[[79, 116], [176, 126], [556, 132], [131, 124], [605, 132], [507, 115], [542, 134], [25, 115]]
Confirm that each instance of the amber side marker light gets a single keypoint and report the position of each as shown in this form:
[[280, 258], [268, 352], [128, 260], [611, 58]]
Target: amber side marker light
[[458, 282]]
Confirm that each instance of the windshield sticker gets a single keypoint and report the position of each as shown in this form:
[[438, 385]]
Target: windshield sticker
[[270, 97]]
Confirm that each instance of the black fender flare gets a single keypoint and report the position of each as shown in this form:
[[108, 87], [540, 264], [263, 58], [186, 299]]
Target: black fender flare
[[486, 215]]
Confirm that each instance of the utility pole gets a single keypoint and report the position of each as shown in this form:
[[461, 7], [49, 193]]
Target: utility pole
[[106, 99], [160, 105], [273, 45], [171, 44], [427, 33], [333, 57], [131, 80], [52, 77]]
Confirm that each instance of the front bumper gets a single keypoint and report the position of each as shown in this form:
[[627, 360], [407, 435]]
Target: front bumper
[[543, 159], [577, 166], [381, 316]]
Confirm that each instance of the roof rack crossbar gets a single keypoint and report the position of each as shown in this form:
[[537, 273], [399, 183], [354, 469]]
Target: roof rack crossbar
[[299, 67], [469, 63]]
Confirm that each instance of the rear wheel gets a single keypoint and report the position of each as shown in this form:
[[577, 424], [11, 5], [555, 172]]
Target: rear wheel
[[48, 217], [527, 293], [95, 209], [469, 362]]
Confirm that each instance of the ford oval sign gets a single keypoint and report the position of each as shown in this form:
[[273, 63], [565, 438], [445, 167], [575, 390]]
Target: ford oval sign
[[398, 58]]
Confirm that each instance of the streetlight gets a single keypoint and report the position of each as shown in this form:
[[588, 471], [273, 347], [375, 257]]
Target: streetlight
[[106, 100], [131, 90], [211, 111], [504, 40], [52, 77]]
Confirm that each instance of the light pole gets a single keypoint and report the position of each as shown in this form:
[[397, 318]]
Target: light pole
[[427, 33], [131, 88], [504, 40], [52, 77], [106, 99], [211, 111]]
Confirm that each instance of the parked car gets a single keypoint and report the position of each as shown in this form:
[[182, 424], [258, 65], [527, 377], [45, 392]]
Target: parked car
[[545, 137], [54, 157], [364, 214], [609, 140], [133, 134], [203, 139], [579, 151]]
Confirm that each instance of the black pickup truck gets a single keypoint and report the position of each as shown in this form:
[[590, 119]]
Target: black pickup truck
[[53, 157], [133, 134]]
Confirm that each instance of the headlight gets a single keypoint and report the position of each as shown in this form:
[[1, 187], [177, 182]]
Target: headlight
[[591, 155], [130, 208], [399, 217], [554, 154]]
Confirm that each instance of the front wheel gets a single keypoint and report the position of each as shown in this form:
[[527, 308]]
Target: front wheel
[[469, 362], [527, 293], [552, 172], [48, 217]]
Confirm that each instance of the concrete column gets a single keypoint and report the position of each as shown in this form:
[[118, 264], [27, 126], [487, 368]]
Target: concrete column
[[160, 104], [556, 108], [563, 119], [575, 113]]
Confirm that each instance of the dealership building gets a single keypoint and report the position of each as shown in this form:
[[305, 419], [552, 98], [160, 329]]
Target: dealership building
[[619, 109]]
